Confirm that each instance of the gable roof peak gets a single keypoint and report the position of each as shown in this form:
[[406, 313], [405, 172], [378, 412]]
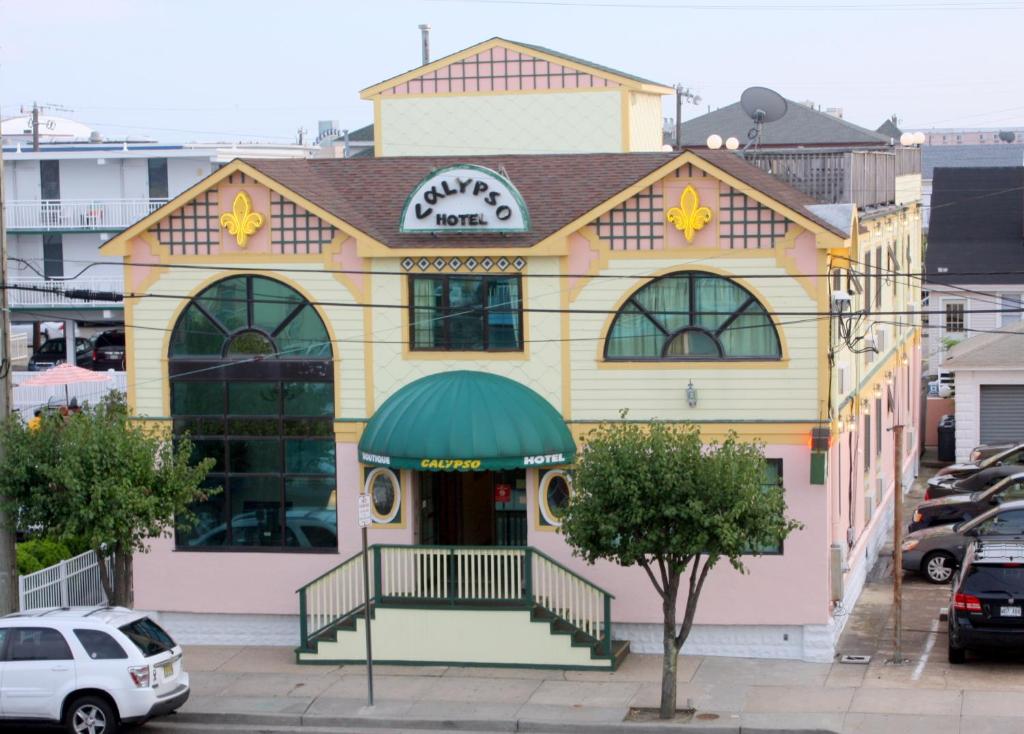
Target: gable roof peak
[[598, 70]]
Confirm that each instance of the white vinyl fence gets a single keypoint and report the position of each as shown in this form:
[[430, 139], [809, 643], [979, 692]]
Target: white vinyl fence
[[27, 398], [74, 582]]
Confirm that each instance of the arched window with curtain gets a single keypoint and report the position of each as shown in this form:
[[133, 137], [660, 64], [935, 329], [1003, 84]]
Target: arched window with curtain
[[250, 365], [694, 316]]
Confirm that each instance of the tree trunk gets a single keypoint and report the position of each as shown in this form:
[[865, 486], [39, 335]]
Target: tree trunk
[[105, 579], [670, 661], [123, 596]]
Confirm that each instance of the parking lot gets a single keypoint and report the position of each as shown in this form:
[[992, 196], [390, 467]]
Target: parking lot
[[870, 632]]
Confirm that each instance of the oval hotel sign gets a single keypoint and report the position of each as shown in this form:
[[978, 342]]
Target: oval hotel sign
[[465, 198]]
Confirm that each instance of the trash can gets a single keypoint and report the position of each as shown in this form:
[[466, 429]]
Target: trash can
[[947, 438]]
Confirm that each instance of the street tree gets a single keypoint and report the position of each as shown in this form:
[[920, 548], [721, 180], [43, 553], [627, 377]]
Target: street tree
[[654, 496], [100, 477]]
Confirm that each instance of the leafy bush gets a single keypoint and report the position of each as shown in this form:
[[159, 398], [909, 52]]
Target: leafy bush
[[38, 553]]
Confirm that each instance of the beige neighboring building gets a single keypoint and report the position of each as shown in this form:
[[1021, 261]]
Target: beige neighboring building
[[989, 388], [500, 96]]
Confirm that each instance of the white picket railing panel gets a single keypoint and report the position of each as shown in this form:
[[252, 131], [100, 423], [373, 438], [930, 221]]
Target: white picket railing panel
[[334, 595], [574, 600]]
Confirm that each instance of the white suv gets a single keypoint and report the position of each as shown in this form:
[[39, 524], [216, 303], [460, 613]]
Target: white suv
[[89, 668]]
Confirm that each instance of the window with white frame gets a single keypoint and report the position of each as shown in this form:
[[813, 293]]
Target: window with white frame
[[954, 317], [1010, 303]]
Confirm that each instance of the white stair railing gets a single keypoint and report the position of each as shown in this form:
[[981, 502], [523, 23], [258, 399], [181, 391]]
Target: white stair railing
[[74, 582]]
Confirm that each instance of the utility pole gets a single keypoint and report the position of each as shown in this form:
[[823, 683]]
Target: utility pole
[[694, 99], [897, 547], [35, 127], [8, 561]]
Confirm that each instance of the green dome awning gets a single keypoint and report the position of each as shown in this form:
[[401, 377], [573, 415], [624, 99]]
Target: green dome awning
[[466, 421]]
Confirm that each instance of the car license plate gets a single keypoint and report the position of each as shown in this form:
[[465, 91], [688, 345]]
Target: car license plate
[[1009, 611], [169, 667]]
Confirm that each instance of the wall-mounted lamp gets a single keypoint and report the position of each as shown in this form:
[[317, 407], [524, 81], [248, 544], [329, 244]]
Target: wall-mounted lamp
[[904, 359], [865, 407], [691, 395], [878, 389], [888, 377]]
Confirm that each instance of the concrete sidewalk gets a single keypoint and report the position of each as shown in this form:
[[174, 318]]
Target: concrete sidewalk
[[260, 688]]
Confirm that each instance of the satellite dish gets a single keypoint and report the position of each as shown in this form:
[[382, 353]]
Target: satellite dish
[[763, 105]]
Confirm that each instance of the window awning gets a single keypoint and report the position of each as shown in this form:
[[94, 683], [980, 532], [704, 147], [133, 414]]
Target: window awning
[[466, 421]]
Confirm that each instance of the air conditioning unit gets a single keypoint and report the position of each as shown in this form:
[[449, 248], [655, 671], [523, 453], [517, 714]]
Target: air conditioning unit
[[842, 379], [837, 567]]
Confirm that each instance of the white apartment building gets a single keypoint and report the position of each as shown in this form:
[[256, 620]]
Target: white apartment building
[[68, 197]]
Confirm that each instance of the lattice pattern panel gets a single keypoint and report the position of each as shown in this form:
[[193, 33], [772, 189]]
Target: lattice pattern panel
[[635, 224], [467, 264], [192, 230], [499, 70], [295, 231], [746, 224]]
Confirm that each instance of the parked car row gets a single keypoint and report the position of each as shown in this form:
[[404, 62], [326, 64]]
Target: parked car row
[[969, 531], [105, 351]]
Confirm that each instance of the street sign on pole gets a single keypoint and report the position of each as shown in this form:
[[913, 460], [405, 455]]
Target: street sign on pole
[[363, 511], [365, 517]]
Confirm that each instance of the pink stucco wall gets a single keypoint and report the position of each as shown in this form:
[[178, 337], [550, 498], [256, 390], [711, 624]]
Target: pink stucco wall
[[786, 589]]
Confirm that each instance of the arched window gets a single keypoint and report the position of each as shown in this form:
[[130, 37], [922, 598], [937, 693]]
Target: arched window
[[251, 383], [692, 316]]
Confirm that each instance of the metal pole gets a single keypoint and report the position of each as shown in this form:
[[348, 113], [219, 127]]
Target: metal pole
[[897, 548], [366, 609], [8, 565], [679, 117], [425, 35]]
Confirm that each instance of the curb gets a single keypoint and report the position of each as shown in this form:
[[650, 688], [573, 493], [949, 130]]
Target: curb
[[533, 726]]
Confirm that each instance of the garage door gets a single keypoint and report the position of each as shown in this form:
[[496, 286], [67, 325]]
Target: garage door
[[1002, 413]]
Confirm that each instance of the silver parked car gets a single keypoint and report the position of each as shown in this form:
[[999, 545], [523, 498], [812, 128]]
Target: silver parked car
[[936, 552]]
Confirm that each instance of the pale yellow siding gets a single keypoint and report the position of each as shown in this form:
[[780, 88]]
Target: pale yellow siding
[[908, 188], [732, 391], [153, 318], [539, 365], [552, 122], [486, 636], [645, 122]]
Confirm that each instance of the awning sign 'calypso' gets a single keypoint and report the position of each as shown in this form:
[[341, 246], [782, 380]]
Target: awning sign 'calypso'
[[465, 198], [461, 464]]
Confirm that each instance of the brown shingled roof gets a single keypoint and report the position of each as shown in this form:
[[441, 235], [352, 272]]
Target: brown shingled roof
[[369, 193]]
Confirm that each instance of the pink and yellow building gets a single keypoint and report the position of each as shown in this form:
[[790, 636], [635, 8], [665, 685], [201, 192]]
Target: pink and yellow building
[[437, 326]]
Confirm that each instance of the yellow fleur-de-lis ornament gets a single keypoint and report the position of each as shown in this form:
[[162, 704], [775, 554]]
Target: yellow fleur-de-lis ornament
[[689, 216], [241, 221]]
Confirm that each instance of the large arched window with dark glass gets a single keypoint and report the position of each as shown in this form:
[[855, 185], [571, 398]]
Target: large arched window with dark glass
[[692, 316], [251, 384]]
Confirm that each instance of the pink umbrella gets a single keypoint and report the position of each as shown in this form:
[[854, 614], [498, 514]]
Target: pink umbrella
[[65, 374]]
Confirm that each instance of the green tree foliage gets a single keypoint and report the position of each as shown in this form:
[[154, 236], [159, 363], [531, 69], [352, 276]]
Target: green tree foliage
[[39, 553], [654, 496], [99, 477]]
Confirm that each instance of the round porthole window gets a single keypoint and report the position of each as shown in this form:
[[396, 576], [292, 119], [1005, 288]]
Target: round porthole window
[[385, 495], [555, 490]]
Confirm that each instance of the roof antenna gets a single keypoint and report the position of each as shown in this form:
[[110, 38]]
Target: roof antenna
[[761, 105], [425, 33]]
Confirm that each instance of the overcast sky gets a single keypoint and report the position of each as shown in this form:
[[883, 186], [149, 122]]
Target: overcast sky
[[186, 70]]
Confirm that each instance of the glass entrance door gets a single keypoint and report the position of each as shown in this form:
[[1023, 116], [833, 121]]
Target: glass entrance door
[[473, 508]]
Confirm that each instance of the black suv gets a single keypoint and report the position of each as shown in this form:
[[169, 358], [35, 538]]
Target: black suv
[[988, 595], [108, 351]]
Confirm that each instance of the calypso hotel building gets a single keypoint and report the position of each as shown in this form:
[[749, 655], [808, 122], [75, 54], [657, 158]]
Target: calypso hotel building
[[438, 325]]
